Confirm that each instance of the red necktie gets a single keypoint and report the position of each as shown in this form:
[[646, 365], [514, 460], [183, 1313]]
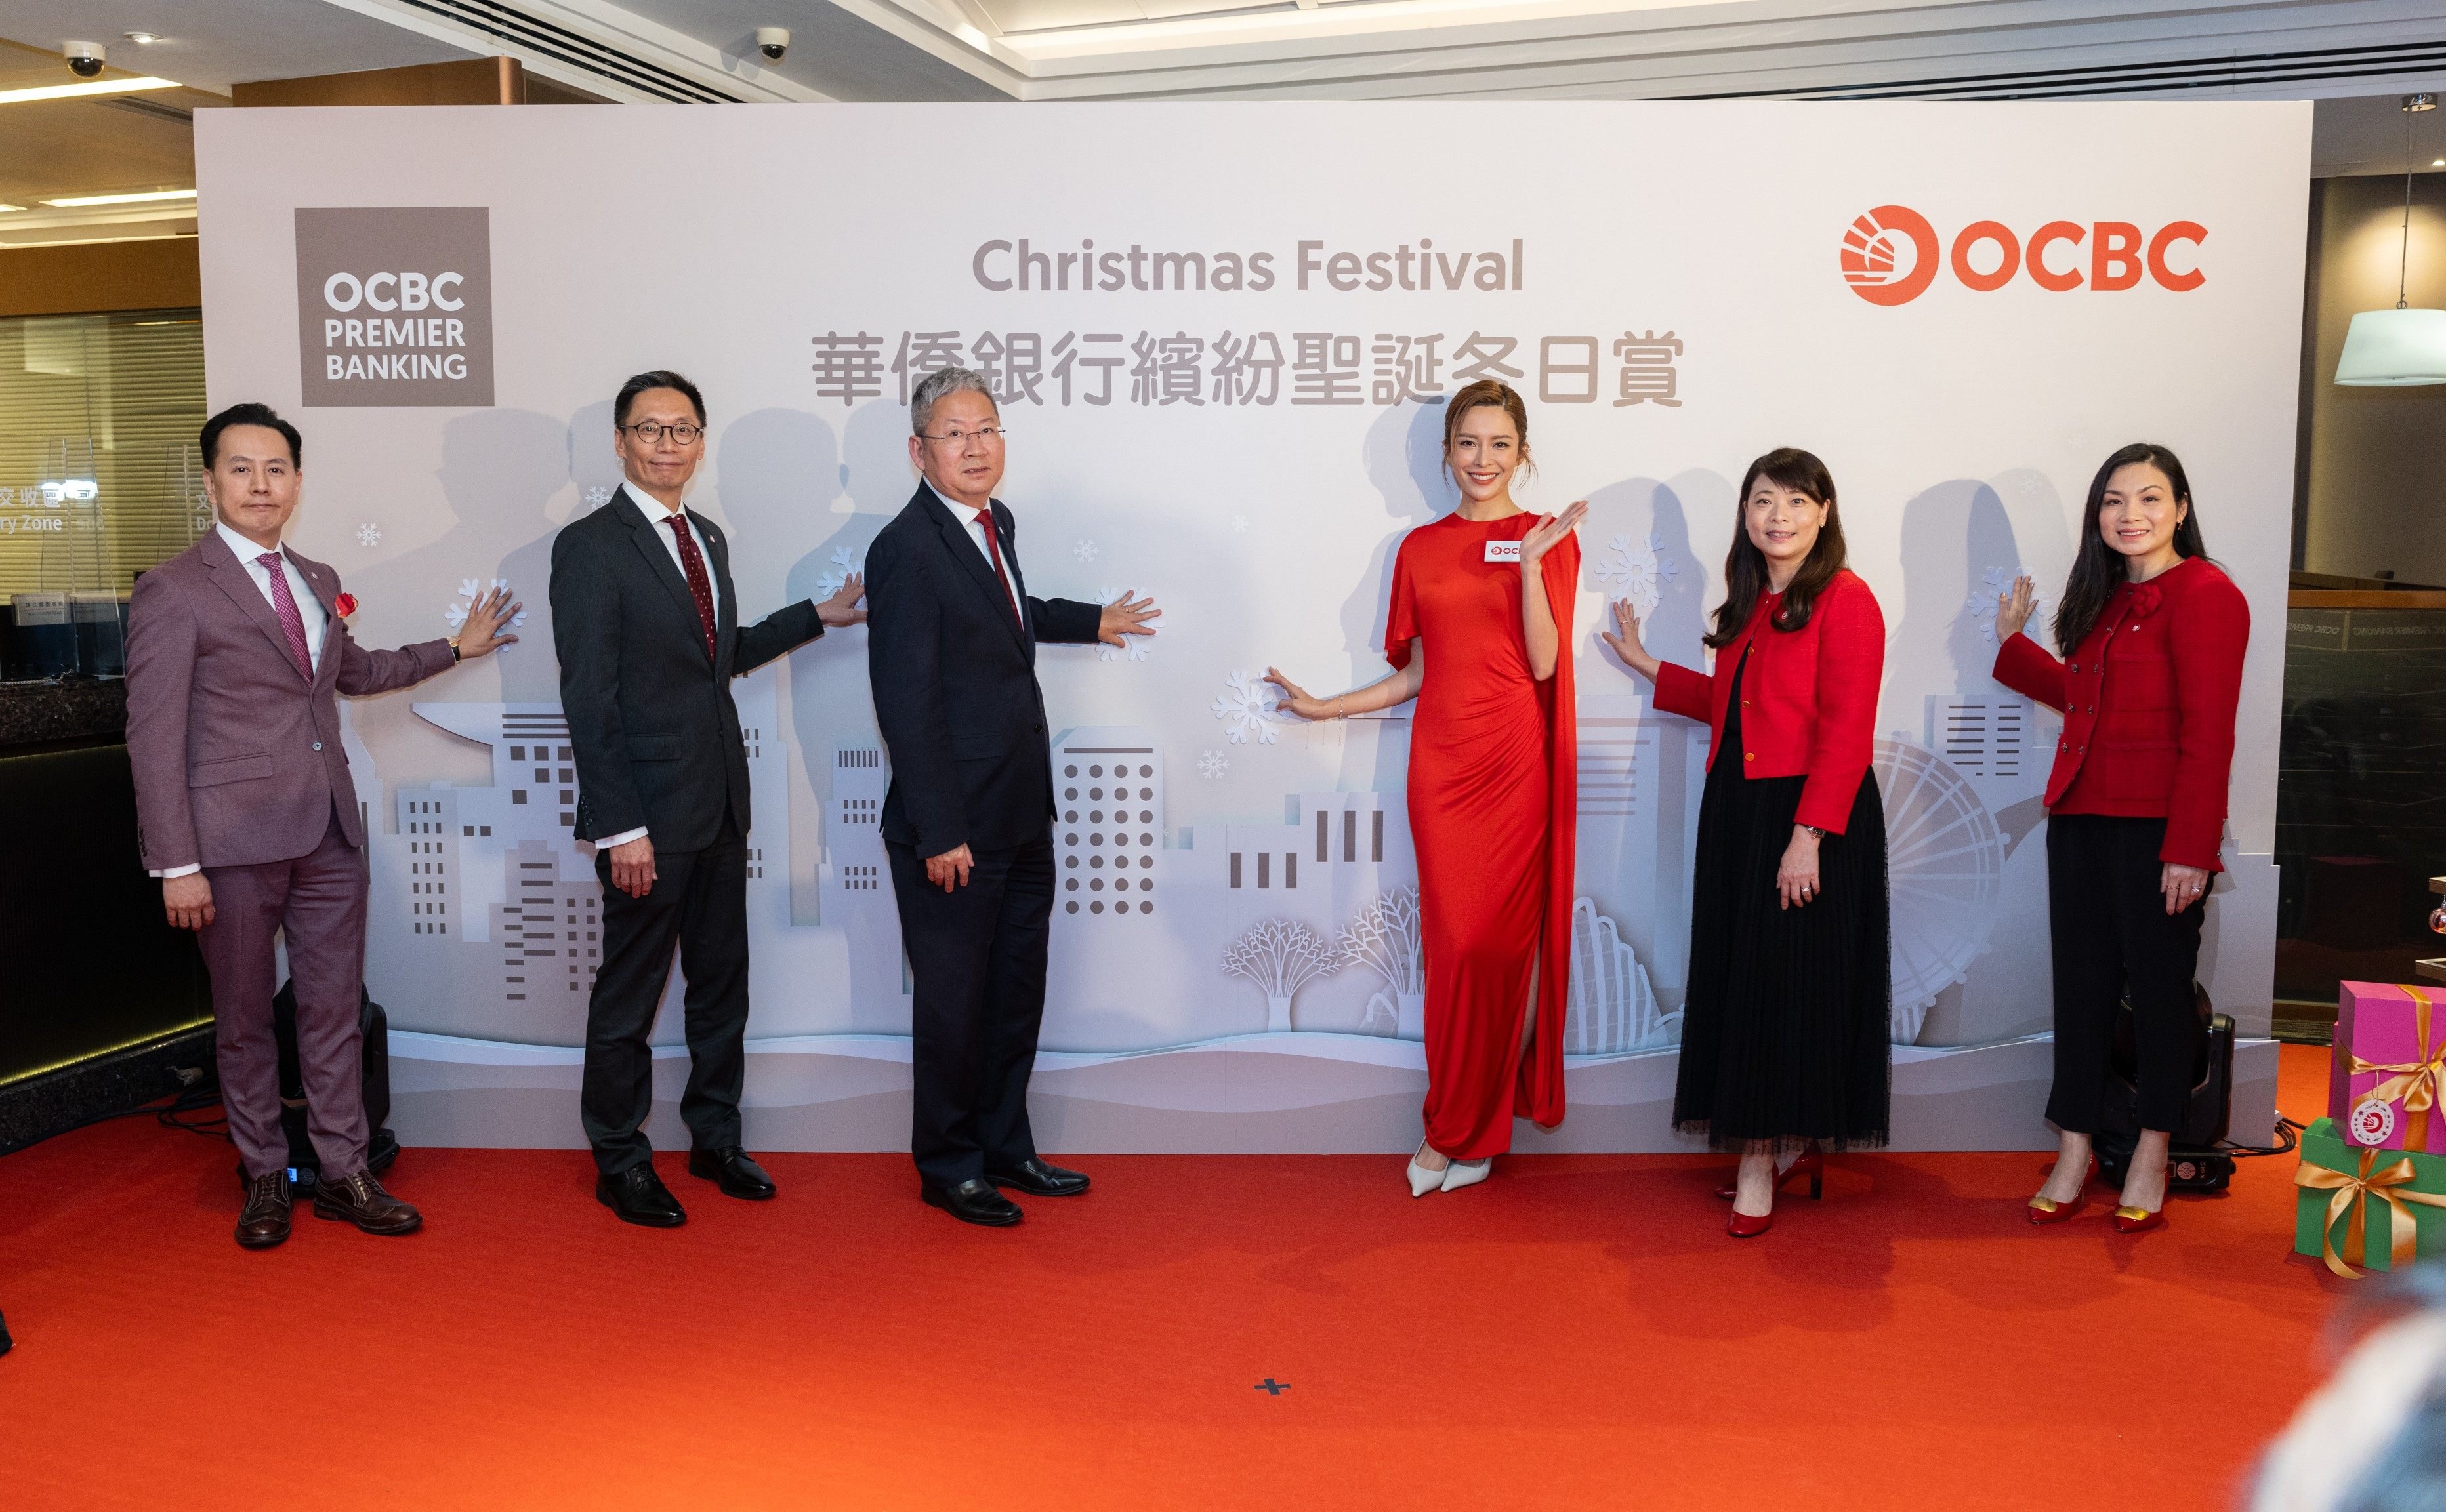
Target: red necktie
[[993, 551], [284, 604], [699, 587]]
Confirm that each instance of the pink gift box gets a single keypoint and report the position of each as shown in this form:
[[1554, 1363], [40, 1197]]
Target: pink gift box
[[2390, 1058]]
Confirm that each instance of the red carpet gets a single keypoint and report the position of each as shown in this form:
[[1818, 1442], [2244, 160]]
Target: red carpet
[[1577, 1333]]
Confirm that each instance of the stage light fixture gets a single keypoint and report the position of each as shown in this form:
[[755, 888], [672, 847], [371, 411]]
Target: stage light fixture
[[83, 201]]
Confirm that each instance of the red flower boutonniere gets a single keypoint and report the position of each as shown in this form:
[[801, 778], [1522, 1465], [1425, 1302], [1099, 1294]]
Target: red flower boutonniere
[[2145, 598], [345, 604]]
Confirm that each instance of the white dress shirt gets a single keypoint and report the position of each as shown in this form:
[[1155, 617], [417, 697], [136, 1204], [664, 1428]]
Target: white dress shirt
[[977, 524], [310, 608], [656, 513], [309, 611]]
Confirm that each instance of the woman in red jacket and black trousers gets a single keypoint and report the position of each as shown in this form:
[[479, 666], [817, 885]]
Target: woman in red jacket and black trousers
[[1786, 1024], [2152, 635]]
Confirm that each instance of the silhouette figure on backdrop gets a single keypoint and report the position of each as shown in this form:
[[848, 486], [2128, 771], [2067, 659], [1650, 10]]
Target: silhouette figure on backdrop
[[646, 619]]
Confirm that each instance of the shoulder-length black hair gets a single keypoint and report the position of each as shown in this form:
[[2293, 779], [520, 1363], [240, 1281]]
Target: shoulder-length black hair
[[2097, 567], [1745, 565]]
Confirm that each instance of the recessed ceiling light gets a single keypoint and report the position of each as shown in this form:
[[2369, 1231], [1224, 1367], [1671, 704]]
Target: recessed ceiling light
[[143, 39], [3, 209], [80, 201], [78, 91]]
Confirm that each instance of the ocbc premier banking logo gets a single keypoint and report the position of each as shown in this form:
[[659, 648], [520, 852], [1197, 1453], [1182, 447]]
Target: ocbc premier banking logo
[[1892, 254]]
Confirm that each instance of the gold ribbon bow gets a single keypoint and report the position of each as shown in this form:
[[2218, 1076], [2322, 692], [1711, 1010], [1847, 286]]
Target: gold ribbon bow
[[2352, 1192], [2415, 1081]]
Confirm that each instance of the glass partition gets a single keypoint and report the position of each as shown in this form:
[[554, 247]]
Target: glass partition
[[100, 477]]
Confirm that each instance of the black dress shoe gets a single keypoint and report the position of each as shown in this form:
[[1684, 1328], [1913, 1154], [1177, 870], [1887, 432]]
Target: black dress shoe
[[973, 1202], [1037, 1178], [361, 1199], [638, 1196], [264, 1220], [729, 1166]]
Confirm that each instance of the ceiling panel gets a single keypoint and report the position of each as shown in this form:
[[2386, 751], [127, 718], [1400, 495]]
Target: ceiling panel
[[214, 43]]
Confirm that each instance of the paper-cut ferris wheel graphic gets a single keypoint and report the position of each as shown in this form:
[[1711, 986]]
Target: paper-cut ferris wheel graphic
[[1944, 863]]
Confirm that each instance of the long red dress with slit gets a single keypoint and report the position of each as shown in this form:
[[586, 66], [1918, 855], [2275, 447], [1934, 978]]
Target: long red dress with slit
[[1493, 805]]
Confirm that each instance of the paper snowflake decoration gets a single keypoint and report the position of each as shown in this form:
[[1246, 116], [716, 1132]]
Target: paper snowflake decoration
[[369, 535], [1239, 525], [1084, 550], [1637, 571], [1137, 646], [598, 495], [844, 563], [471, 589], [1213, 764], [1246, 707], [1982, 605]]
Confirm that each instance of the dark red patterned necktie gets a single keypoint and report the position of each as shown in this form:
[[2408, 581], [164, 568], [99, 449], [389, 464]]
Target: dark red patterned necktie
[[699, 587], [993, 551]]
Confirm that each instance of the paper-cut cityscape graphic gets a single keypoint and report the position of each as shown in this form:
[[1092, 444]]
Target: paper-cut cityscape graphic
[[1161, 929]]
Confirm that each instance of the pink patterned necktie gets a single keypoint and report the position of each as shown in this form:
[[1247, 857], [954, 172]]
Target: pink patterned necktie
[[291, 623]]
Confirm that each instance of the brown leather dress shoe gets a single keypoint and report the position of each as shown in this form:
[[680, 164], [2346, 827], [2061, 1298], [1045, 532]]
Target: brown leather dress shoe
[[361, 1199], [264, 1220]]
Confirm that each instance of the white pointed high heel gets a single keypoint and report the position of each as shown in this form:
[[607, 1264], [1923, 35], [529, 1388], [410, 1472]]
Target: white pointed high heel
[[1462, 1174], [1424, 1181]]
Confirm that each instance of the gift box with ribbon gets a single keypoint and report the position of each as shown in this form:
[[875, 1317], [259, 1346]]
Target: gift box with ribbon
[[2390, 1055], [2358, 1207]]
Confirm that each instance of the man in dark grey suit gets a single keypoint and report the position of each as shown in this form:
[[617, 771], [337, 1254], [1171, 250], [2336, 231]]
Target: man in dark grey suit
[[647, 624], [236, 647], [968, 822]]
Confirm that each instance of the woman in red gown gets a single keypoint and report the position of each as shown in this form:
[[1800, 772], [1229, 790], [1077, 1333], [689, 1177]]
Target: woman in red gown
[[1485, 593]]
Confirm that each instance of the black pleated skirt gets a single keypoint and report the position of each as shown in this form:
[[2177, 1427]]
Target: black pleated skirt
[[1786, 1027]]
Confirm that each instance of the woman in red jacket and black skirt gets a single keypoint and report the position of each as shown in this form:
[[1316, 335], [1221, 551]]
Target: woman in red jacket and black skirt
[[2153, 636], [1786, 1024]]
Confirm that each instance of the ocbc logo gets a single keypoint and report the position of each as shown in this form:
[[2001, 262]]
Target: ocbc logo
[[2119, 257], [345, 291]]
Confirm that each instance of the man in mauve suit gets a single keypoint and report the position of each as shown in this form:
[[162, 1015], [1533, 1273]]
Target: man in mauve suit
[[968, 820], [236, 647], [647, 622]]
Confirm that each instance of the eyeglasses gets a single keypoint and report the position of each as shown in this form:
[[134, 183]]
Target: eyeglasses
[[958, 441], [651, 434]]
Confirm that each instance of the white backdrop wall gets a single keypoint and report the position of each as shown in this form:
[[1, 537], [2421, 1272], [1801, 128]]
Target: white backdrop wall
[[1670, 282]]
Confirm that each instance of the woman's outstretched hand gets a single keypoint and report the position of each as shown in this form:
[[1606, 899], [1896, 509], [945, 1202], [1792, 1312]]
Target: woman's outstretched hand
[[2013, 608], [1296, 698], [1535, 545], [1625, 640]]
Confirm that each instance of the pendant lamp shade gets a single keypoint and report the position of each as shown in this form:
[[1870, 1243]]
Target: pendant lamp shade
[[2393, 348]]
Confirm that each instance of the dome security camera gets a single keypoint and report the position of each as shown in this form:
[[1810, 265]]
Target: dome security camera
[[772, 41], [84, 57]]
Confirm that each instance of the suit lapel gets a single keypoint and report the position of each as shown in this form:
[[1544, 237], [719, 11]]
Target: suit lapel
[[998, 516], [235, 579], [963, 548], [328, 664], [648, 536]]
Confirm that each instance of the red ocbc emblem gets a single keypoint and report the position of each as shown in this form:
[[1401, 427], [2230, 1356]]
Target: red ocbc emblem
[[1868, 249], [1892, 254]]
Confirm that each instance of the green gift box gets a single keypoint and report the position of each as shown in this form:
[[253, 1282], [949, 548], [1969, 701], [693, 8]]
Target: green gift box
[[2397, 1196]]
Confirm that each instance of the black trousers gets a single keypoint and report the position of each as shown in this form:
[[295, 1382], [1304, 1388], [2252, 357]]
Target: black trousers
[[699, 904], [977, 955], [2112, 935]]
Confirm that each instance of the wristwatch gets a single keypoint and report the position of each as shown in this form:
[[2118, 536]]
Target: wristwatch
[[1813, 830]]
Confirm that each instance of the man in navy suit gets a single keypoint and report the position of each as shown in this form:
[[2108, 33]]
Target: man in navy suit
[[968, 822]]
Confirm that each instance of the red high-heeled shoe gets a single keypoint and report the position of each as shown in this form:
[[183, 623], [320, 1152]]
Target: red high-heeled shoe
[[1812, 1163], [2047, 1210], [1749, 1225], [2139, 1219]]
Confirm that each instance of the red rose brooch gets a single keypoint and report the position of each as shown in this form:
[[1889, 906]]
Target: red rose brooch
[[345, 604]]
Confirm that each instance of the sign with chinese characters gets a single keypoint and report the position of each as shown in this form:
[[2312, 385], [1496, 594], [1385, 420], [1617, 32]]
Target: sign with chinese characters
[[1222, 339]]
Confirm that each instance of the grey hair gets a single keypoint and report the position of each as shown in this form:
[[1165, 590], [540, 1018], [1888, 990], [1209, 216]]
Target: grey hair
[[938, 384]]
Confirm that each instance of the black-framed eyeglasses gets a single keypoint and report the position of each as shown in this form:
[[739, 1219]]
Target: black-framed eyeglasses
[[990, 434], [651, 434]]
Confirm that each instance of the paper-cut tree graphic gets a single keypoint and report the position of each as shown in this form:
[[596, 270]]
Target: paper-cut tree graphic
[[1281, 955], [1385, 938]]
